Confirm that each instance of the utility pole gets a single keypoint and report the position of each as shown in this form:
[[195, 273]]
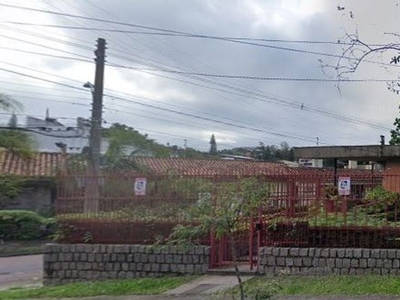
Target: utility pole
[[97, 107], [91, 204]]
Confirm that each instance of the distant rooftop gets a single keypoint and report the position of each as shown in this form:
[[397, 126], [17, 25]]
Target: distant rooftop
[[361, 153]]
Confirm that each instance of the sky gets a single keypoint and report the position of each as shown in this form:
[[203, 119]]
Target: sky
[[247, 71]]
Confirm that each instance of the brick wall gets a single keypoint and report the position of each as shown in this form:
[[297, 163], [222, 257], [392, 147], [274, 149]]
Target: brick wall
[[77, 262], [391, 177], [328, 261]]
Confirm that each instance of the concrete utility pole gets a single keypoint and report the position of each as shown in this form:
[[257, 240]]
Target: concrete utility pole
[[91, 204], [97, 107]]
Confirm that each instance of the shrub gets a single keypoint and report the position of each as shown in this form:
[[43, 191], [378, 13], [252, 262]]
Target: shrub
[[380, 200], [22, 225]]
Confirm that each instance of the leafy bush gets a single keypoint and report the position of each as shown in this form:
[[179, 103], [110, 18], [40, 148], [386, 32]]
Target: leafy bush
[[378, 199], [23, 225]]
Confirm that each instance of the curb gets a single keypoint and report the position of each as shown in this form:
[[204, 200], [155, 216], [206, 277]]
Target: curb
[[12, 254]]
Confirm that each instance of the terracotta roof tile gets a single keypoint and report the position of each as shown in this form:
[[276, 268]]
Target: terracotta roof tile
[[39, 165], [47, 165], [210, 167]]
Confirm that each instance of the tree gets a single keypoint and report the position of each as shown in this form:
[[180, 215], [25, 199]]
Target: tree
[[7, 103], [225, 212], [13, 122], [395, 133], [124, 142], [355, 53], [213, 146], [274, 153], [17, 142]]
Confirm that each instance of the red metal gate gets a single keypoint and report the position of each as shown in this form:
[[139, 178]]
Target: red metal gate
[[245, 243]]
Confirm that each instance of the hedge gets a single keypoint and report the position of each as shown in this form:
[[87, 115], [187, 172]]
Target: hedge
[[23, 225]]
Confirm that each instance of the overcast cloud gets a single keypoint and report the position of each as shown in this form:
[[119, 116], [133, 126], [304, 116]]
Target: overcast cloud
[[245, 103]]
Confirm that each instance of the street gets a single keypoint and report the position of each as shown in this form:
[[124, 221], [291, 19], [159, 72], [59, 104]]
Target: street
[[21, 271]]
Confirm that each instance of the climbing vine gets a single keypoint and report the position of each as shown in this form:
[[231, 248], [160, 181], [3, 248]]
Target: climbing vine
[[10, 186]]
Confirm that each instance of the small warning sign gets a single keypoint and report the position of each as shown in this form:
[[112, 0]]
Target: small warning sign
[[140, 186], [344, 186]]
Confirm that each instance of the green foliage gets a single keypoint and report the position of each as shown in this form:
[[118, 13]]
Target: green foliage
[[330, 192], [274, 153], [234, 201], [137, 286], [122, 137], [193, 153], [264, 152], [222, 212], [257, 289], [76, 163], [12, 140], [16, 142], [379, 199], [10, 186], [395, 133], [22, 225], [7, 103], [340, 286]]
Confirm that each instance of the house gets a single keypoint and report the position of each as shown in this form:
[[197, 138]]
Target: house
[[49, 132], [386, 157], [38, 172], [210, 167], [296, 185]]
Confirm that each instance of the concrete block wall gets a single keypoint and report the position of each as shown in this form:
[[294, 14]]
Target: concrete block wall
[[65, 263], [329, 261]]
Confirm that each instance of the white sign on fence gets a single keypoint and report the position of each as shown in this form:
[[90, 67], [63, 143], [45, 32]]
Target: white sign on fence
[[140, 186], [344, 186]]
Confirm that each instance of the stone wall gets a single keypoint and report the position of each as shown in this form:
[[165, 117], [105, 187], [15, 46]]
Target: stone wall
[[77, 262], [328, 261]]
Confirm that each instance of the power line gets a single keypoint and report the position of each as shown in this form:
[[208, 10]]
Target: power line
[[241, 95], [45, 46], [42, 132], [43, 79], [211, 119], [180, 33], [263, 78], [275, 100], [36, 116], [185, 34], [281, 101], [47, 38], [260, 77], [46, 55]]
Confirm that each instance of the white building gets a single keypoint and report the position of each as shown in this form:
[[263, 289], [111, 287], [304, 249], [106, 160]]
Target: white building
[[49, 132]]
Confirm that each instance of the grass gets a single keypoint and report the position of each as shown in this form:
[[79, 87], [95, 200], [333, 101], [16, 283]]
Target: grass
[[356, 216], [138, 286], [333, 285]]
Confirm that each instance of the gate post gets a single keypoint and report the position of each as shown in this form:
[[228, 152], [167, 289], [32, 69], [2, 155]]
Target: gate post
[[251, 242]]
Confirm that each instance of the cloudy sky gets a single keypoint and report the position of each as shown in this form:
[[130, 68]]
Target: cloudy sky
[[238, 72]]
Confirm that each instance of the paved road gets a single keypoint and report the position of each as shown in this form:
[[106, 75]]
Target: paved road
[[20, 271]]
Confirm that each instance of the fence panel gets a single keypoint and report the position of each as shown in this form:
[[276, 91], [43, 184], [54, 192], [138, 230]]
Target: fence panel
[[302, 209]]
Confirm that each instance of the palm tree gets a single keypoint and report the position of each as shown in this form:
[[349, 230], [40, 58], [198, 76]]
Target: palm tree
[[17, 142], [7, 103]]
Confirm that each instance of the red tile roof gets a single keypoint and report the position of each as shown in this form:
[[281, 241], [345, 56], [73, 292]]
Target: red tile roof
[[210, 167], [39, 165], [48, 164]]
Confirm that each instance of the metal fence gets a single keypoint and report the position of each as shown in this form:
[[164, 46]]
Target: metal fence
[[302, 209]]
